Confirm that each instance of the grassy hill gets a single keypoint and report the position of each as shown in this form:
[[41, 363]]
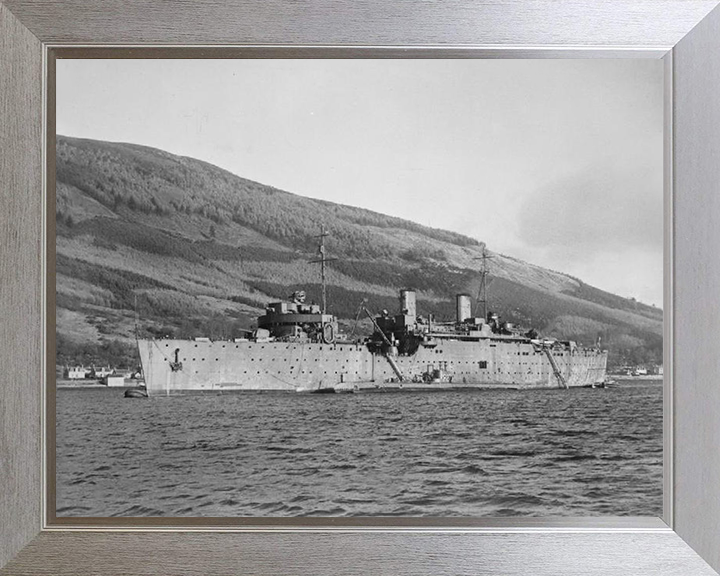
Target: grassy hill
[[201, 251]]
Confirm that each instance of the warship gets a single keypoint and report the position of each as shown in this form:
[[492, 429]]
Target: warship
[[297, 347]]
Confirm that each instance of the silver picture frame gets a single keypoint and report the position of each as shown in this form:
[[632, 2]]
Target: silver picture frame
[[685, 34]]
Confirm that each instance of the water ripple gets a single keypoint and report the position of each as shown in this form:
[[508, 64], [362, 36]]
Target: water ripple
[[500, 453]]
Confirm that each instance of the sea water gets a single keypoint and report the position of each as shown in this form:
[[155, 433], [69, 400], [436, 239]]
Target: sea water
[[578, 452]]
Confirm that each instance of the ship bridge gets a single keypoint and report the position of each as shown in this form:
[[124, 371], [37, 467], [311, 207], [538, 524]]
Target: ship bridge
[[297, 321]]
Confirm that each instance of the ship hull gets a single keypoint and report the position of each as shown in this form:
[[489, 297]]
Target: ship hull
[[174, 367]]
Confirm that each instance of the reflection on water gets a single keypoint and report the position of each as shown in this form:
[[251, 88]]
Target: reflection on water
[[486, 453]]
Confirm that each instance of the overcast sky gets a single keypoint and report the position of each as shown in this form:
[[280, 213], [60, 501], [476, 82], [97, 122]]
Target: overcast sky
[[557, 162]]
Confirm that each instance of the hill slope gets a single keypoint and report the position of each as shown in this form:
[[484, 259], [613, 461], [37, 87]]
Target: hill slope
[[202, 251]]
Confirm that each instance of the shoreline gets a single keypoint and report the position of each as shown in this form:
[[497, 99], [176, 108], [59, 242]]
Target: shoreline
[[92, 384], [636, 378]]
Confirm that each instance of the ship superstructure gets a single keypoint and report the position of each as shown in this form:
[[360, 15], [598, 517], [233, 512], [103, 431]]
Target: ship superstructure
[[297, 348]]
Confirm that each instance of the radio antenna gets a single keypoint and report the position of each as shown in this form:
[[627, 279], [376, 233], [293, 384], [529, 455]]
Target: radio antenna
[[323, 261], [482, 289]]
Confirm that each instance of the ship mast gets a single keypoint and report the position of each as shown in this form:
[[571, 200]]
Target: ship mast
[[322, 261], [482, 290]]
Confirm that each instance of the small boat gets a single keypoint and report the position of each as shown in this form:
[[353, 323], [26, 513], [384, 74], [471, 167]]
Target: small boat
[[136, 393]]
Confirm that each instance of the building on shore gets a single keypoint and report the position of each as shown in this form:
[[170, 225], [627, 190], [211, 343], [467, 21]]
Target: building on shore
[[77, 373], [103, 372], [115, 381]]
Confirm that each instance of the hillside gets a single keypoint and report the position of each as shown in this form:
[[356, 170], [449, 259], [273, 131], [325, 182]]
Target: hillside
[[202, 251]]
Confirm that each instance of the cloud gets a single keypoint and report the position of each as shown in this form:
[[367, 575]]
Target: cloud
[[611, 205], [602, 223]]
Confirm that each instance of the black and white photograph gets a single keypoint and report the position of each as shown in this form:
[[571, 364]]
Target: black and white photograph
[[359, 288]]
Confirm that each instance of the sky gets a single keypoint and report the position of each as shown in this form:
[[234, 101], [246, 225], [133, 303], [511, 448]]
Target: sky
[[556, 162]]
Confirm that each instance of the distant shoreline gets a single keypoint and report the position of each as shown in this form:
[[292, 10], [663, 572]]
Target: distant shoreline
[[78, 384], [643, 377], [90, 383], [653, 380]]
